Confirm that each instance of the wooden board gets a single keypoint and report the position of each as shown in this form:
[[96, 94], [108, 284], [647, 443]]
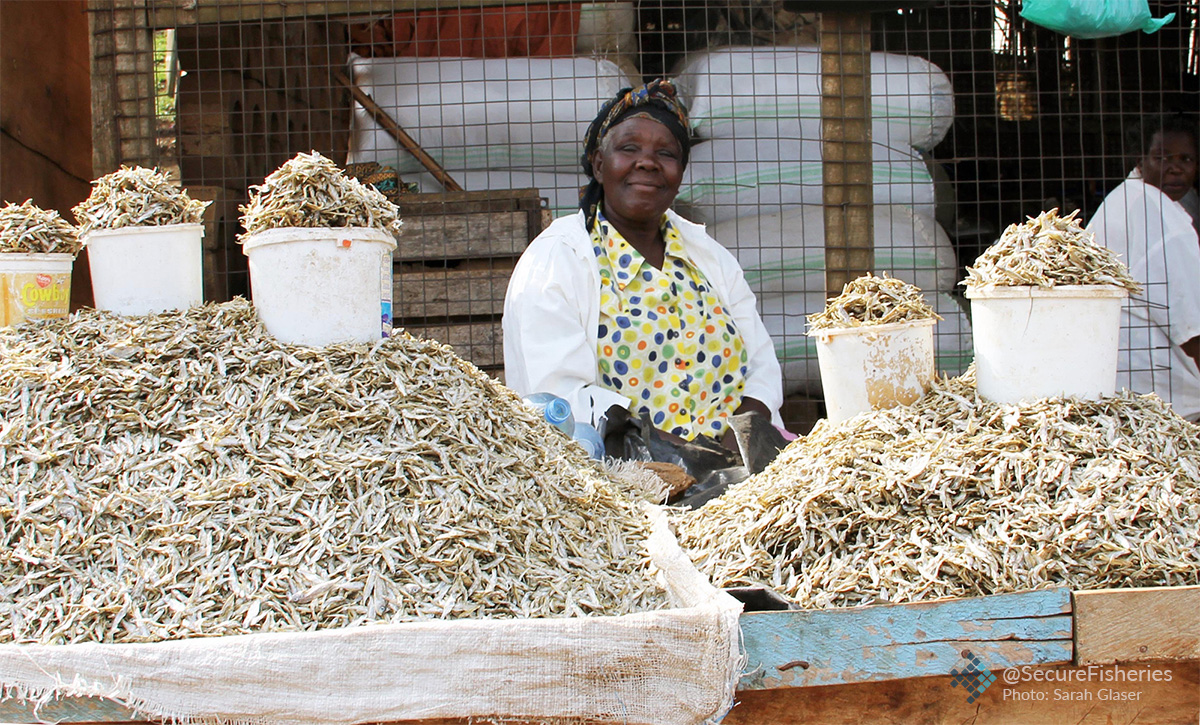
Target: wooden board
[[479, 342], [475, 287], [463, 202], [1064, 696], [67, 710], [173, 13], [1132, 625], [463, 235], [837, 646], [45, 98]]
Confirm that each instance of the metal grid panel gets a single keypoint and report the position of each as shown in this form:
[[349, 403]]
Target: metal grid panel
[[979, 119]]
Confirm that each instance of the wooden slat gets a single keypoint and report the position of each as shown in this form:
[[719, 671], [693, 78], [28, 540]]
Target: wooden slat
[[837, 646], [174, 13], [66, 710], [470, 201], [473, 288], [462, 236], [1063, 695], [479, 342], [1133, 625]]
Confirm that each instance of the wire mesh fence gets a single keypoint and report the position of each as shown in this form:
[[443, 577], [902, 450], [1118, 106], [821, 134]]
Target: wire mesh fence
[[829, 138]]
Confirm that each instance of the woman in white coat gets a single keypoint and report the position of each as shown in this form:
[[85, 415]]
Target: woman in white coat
[[627, 304]]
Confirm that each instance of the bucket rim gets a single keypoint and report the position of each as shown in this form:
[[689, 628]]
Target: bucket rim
[[140, 230], [279, 235], [862, 329], [37, 256], [1079, 291]]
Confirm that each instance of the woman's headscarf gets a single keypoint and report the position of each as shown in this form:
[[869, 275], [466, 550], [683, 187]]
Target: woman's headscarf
[[656, 100]]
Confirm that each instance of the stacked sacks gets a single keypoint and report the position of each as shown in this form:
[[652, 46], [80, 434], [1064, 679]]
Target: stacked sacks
[[757, 171], [495, 123]]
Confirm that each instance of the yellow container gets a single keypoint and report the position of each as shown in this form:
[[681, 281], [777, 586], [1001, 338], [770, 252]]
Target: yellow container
[[34, 287]]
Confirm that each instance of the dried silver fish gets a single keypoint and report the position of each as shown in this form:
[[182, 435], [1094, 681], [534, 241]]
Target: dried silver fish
[[311, 191], [957, 496], [872, 300], [29, 229], [1045, 251], [136, 197], [185, 475]]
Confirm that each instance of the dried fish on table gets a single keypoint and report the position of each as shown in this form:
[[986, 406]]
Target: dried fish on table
[[872, 300], [29, 229], [957, 496], [136, 197], [311, 191], [1045, 251], [185, 474]]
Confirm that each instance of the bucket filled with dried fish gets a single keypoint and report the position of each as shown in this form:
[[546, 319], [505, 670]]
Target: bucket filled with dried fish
[[37, 255], [320, 248], [1046, 308], [143, 235], [874, 346]]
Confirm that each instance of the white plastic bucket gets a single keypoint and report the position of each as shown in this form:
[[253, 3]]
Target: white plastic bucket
[[1041, 342], [34, 286], [874, 367], [318, 286], [146, 270]]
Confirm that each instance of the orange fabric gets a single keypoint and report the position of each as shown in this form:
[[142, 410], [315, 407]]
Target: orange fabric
[[516, 31]]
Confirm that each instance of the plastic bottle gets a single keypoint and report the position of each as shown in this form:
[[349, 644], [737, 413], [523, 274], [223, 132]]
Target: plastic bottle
[[554, 409], [590, 439]]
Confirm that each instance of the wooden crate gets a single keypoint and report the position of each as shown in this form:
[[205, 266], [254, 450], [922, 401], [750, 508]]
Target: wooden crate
[[453, 263]]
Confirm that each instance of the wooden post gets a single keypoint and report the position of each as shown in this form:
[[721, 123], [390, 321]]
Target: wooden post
[[123, 114], [846, 147], [104, 117]]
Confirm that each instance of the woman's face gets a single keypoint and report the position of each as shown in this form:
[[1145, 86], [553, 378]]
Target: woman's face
[[1170, 163], [640, 165]]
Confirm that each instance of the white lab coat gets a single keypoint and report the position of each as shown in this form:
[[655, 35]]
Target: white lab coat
[[1154, 236], [552, 317]]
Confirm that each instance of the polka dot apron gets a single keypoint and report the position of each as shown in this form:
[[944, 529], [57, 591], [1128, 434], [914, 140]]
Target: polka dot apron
[[666, 340]]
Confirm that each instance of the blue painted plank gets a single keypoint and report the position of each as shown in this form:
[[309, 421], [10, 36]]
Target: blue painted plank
[[66, 710], [837, 646]]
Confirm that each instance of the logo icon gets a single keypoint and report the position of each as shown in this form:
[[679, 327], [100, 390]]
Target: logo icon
[[43, 280], [972, 675]]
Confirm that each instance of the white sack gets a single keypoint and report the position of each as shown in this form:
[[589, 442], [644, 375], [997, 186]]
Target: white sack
[[783, 256], [727, 178], [776, 93], [670, 666], [472, 113]]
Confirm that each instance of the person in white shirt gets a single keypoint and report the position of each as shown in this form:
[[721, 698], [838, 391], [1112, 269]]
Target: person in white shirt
[[1143, 221], [625, 303]]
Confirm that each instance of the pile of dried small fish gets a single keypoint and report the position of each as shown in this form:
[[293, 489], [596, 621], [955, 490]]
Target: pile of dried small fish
[[956, 496], [136, 197], [29, 229], [185, 475], [1045, 251], [311, 191], [871, 300]]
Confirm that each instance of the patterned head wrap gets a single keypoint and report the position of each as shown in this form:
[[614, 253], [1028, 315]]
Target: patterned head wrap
[[655, 100]]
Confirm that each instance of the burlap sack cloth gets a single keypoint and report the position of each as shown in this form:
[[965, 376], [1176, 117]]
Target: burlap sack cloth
[[671, 666]]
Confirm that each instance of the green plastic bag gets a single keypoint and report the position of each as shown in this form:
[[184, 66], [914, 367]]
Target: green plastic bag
[[1093, 18]]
